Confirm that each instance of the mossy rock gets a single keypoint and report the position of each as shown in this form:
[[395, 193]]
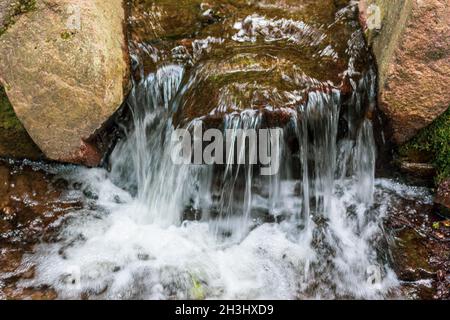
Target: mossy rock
[[14, 139], [432, 144], [267, 56], [165, 24], [236, 79], [168, 19], [12, 9]]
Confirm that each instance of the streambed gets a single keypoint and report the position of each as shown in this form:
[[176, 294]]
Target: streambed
[[37, 209]]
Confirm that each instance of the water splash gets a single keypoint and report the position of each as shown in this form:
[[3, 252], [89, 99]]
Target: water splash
[[139, 244]]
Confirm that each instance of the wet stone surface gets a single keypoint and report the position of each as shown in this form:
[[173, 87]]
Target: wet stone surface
[[30, 201], [419, 248], [34, 197], [260, 55]]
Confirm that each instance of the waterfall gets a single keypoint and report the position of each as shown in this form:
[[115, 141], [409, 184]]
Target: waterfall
[[161, 230], [309, 225], [142, 164]]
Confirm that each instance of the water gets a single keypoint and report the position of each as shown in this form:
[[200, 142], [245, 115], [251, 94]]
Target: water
[[135, 243], [151, 229]]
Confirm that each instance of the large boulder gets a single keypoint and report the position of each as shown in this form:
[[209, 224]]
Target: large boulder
[[14, 139], [64, 66], [410, 42]]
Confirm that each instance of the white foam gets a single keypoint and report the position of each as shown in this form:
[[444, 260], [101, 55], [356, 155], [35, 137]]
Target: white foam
[[420, 194], [277, 29], [117, 255]]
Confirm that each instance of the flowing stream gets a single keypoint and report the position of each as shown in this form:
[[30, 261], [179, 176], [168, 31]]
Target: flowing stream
[[151, 229]]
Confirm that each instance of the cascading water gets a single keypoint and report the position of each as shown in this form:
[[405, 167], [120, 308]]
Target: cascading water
[[154, 229]]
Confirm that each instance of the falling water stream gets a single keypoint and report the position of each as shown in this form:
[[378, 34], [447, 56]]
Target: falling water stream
[[152, 229], [310, 234]]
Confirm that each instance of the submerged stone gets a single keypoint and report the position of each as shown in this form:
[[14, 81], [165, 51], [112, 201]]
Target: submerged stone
[[31, 199], [254, 55]]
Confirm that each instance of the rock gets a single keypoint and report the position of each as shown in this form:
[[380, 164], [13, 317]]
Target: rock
[[419, 170], [412, 257], [431, 145], [266, 55], [6, 9], [410, 44], [11, 9], [273, 84], [65, 70], [31, 201], [443, 197], [14, 139], [157, 27]]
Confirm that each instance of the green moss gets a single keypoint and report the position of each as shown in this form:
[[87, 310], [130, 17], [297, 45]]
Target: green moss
[[25, 6], [8, 118], [14, 139], [17, 8], [434, 142], [198, 292], [436, 54], [66, 35]]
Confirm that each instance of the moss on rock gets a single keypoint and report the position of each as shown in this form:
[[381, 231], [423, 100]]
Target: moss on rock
[[14, 139], [433, 144], [16, 9], [8, 119]]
